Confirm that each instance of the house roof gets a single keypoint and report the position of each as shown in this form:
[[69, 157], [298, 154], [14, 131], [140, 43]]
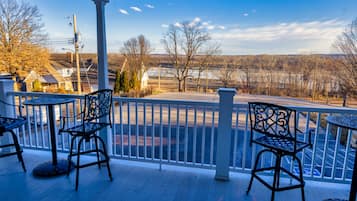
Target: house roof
[[49, 79], [34, 76]]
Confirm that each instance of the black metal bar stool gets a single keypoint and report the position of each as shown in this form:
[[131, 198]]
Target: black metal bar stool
[[97, 106], [7, 126], [271, 124]]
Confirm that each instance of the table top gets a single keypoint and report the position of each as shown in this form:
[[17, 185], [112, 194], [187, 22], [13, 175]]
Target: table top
[[345, 121], [48, 101]]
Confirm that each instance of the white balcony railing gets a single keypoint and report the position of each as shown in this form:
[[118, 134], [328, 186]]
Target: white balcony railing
[[185, 133]]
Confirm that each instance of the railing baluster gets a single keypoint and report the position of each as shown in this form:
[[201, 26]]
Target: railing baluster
[[152, 131], [194, 135], [28, 124], [245, 140], [23, 128], [337, 143], [137, 129], [177, 132], [315, 142], [35, 129], [129, 129], [212, 138], [62, 137], [307, 127], [323, 164], [121, 128], [74, 120], [81, 109], [186, 135], [35, 125], [161, 136], [145, 131], [42, 128], [203, 143], [347, 150], [235, 139], [114, 130], [169, 133]]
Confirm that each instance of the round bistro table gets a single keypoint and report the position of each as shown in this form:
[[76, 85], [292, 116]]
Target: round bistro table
[[54, 167], [348, 122]]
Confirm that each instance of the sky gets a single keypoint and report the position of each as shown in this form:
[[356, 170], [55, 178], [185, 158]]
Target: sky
[[241, 27]]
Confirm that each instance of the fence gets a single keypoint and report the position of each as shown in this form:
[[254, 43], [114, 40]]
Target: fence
[[185, 133]]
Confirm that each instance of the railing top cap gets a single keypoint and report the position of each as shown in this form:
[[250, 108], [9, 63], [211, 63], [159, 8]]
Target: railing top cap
[[6, 79], [227, 90]]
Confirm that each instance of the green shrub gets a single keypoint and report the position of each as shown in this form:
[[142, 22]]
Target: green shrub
[[37, 86], [124, 82]]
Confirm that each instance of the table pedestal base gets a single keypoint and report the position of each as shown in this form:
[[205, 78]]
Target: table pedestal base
[[47, 169]]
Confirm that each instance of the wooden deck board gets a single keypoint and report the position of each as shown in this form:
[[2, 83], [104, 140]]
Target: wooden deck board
[[135, 181]]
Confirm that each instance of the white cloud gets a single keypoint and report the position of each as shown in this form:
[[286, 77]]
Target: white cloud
[[295, 30], [122, 11], [136, 9], [201, 25], [149, 6], [195, 21], [177, 24], [164, 25], [245, 14], [211, 27], [281, 38], [205, 23]]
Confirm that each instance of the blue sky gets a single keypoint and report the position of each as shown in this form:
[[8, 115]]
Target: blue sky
[[240, 26]]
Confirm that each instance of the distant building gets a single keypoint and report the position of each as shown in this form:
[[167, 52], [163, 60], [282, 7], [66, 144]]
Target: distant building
[[28, 82], [50, 82], [62, 74], [144, 77], [65, 72]]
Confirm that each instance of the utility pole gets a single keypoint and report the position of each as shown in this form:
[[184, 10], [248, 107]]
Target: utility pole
[[76, 49]]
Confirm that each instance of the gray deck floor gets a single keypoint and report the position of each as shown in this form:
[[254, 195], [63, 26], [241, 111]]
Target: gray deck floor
[[134, 181]]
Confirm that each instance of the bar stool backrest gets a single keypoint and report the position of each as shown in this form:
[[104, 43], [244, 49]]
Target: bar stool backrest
[[272, 120], [98, 104]]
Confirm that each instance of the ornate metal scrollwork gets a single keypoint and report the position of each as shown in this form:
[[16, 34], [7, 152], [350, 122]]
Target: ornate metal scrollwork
[[97, 104], [270, 119]]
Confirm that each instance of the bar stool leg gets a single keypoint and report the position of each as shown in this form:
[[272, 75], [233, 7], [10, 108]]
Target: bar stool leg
[[78, 161], [106, 157], [18, 150], [70, 156], [97, 151]]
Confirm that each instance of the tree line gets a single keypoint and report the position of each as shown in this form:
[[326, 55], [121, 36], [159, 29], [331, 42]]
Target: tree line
[[188, 45]]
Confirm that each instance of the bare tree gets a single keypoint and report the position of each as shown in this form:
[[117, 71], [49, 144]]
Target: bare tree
[[245, 76], [204, 61], [347, 75], [21, 37], [183, 43], [268, 65], [227, 73], [137, 52]]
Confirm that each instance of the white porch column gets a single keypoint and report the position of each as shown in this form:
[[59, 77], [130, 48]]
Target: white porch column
[[103, 79], [224, 133], [6, 85]]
